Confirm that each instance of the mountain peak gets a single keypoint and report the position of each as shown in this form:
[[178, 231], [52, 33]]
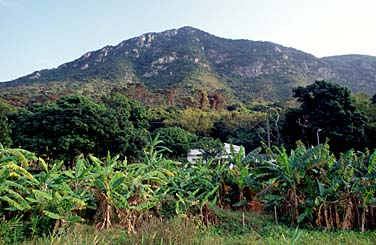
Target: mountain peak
[[189, 29], [179, 63]]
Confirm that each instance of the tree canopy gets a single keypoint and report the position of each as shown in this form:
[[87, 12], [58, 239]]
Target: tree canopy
[[75, 124], [327, 111], [5, 128], [176, 139]]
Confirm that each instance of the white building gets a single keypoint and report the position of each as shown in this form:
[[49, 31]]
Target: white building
[[195, 155]]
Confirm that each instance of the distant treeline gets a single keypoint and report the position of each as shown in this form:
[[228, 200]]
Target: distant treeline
[[75, 124]]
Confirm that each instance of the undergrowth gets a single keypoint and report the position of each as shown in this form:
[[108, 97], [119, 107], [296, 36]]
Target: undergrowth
[[234, 227]]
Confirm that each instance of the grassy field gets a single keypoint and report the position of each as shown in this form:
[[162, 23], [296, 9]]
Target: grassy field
[[231, 228]]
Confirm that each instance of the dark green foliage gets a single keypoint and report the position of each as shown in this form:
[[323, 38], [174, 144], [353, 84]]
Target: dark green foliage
[[176, 139], [5, 128], [374, 99], [75, 124], [368, 107], [127, 126], [327, 110], [63, 129]]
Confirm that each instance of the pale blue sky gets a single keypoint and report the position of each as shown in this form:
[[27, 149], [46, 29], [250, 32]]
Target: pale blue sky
[[38, 34]]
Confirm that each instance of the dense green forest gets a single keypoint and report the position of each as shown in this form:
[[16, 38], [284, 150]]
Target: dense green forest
[[115, 162], [74, 124]]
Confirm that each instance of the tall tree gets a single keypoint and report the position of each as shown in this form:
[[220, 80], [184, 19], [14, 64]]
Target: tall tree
[[74, 124], [62, 130], [368, 107], [129, 123], [178, 140], [327, 111]]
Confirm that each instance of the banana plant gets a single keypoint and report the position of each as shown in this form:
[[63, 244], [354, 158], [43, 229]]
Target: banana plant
[[292, 171], [29, 184], [54, 196], [123, 188], [16, 182]]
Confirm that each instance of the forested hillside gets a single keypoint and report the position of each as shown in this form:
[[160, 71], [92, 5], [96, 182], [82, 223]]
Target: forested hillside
[[186, 67]]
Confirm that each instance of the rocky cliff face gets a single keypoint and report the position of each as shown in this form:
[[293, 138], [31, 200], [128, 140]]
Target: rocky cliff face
[[186, 60], [357, 72]]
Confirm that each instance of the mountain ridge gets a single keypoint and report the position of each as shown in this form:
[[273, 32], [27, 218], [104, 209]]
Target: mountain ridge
[[186, 61]]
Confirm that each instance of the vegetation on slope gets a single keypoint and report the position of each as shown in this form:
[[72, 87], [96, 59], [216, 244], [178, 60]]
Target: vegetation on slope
[[188, 59]]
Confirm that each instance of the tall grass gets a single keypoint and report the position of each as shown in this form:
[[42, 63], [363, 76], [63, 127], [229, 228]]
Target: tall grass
[[178, 231]]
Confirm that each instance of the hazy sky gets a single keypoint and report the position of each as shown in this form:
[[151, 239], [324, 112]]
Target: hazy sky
[[38, 34]]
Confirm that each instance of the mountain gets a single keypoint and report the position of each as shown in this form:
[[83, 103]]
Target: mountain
[[188, 66], [357, 72]]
